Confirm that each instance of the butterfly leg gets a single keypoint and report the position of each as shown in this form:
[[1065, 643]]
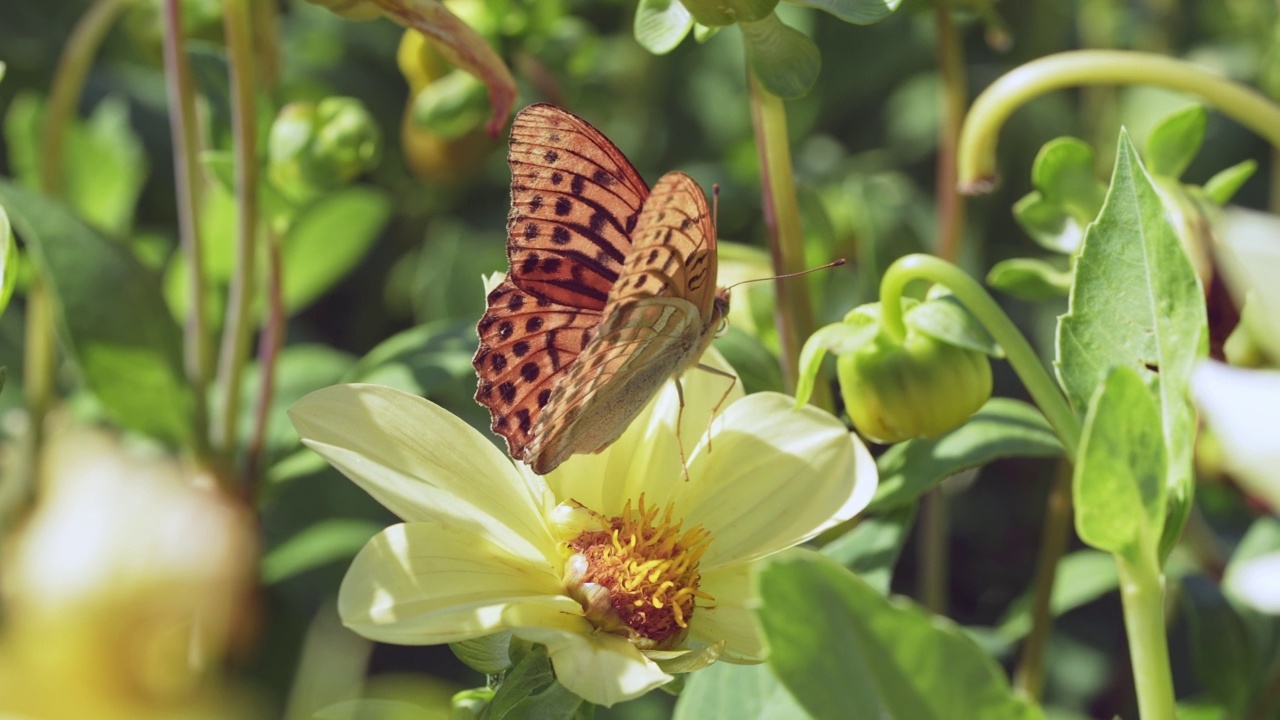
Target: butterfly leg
[[733, 380], [684, 462]]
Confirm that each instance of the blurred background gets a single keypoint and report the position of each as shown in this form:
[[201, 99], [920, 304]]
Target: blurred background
[[386, 286]]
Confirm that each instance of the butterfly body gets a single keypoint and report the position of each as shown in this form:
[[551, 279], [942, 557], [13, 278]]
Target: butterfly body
[[611, 291]]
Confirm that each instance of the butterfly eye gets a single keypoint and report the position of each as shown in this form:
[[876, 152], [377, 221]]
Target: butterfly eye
[[723, 327]]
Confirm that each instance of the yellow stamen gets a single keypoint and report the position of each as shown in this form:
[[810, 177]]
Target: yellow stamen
[[649, 566]]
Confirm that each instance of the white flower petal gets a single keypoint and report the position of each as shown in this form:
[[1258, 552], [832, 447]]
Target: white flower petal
[[647, 456], [427, 583], [774, 477], [1243, 408], [600, 668], [728, 619], [423, 463], [1256, 581]]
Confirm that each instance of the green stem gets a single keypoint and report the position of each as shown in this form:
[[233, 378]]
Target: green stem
[[68, 85], [182, 121], [1142, 594], [40, 345], [977, 154], [239, 321], [1043, 390], [1028, 677], [269, 344], [794, 313], [931, 551], [955, 94], [1018, 351]]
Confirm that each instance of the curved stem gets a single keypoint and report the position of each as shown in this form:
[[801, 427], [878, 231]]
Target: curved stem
[[236, 330], [977, 154], [955, 96], [786, 237], [182, 122], [1021, 356]]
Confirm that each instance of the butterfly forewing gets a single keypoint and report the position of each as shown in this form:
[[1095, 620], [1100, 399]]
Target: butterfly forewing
[[656, 324], [575, 200], [526, 344]]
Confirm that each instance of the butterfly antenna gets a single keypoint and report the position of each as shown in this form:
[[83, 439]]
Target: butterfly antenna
[[715, 205], [833, 263]]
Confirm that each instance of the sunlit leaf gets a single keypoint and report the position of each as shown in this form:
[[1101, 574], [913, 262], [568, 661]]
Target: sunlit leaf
[[1175, 140], [729, 692], [327, 541], [327, 240], [858, 12], [1067, 197], [1029, 279], [1118, 489], [872, 547], [1001, 428], [784, 60], [871, 656], [942, 316], [1223, 185], [1136, 302], [8, 261], [104, 166], [661, 25], [111, 314]]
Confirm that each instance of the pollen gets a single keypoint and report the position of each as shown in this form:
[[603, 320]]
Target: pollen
[[640, 574]]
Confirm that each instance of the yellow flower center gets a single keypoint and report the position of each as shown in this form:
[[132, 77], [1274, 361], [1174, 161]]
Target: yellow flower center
[[639, 576]]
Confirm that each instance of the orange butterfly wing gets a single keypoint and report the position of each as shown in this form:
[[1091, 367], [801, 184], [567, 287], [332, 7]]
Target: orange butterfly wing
[[658, 321], [575, 198]]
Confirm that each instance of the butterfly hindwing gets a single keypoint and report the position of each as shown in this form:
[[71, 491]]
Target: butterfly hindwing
[[526, 345]]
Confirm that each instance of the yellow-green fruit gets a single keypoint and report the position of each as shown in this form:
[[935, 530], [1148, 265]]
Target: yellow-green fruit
[[921, 388], [714, 13]]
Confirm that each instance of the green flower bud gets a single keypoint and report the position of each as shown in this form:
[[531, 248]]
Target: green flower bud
[[452, 105], [714, 13], [923, 385], [317, 147]]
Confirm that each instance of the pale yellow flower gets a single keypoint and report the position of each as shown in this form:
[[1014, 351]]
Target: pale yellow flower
[[620, 598]]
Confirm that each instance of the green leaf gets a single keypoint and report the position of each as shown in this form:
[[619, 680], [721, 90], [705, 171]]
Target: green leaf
[[532, 672], [872, 547], [1118, 487], [489, 654], [784, 60], [942, 316], [756, 366], [1080, 578], [1175, 140], [112, 317], [859, 327], [858, 12], [871, 656], [8, 261], [299, 370], [1136, 302], [432, 360], [661, 25], [1029, 279], [104, 166], [1223, 185], [726, 691], [1222, 652], [1068, 195], [325, 542], [327, 240], [554, 703], [1001, 428]]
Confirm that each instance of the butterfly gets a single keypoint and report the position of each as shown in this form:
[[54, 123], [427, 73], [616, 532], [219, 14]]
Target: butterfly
[[611, 291]]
